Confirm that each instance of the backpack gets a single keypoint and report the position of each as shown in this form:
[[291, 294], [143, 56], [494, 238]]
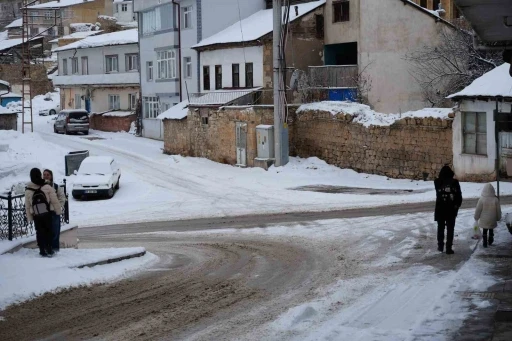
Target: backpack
[[40, 205], [447, 194]]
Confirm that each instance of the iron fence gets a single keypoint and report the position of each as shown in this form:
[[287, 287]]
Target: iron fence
[[13, 217]]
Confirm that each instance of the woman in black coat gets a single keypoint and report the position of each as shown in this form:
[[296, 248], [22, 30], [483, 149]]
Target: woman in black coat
[[448, 202]]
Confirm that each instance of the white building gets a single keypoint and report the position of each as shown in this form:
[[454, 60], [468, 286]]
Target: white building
[[100, 73], [170, 67], [474, 143], [123, 11]]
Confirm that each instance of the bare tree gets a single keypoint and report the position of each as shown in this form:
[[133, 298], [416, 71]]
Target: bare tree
[[363, 84], [449, 67]]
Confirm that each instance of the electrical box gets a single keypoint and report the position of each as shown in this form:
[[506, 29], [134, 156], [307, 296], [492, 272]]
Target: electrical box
[[265, 141]]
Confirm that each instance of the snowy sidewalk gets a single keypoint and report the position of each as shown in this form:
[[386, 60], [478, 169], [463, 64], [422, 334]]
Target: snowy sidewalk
[[24, 274]]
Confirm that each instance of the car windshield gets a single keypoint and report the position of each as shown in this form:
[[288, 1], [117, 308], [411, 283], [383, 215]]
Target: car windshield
[[91, 168]]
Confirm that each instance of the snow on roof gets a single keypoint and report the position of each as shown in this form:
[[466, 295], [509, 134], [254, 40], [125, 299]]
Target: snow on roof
[[59, 4], [177, 112], [115, 38], [15, 24], [5, 83], [7, 111], [77, 35], [127, 78], [98, 159], [119, 1], [367, 117], [9, 43], [221, 97], [494, 83], [255, 26], [4, 35], [117, 113], [10, 94]]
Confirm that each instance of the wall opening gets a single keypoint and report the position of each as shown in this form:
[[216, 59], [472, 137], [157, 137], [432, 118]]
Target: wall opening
[[341, 54]]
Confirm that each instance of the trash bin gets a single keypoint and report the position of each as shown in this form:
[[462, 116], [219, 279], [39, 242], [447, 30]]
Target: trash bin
[[74, 159]]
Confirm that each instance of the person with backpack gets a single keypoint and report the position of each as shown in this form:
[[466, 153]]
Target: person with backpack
[[488, 213], [448, 202], [40, 201], [48, 177]]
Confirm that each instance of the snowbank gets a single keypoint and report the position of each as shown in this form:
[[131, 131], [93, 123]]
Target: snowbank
[[362, 114]]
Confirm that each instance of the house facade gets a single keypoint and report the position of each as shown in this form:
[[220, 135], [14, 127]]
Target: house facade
[[169, 65], [100, 73], [123, 11], [374, 37], [42, 16], [474, 133]]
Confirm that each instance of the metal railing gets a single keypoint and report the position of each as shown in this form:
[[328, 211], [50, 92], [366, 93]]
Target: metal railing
[[225, 97], [13, 217], [333, 76]]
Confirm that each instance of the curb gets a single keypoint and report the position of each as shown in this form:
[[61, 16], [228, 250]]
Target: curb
[[109, 261]]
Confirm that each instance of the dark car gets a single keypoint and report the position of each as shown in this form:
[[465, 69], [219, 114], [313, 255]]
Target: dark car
[[72, 121]]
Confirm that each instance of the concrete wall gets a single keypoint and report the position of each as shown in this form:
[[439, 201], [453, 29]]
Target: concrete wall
[[99, 98], [227, 57], [40, 84], [8, 121], [389, 30], [342, 32], [112, 123], [406, 149], [476, 167]]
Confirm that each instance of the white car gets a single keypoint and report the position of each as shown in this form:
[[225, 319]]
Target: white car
[[98, 176], [52, 108]]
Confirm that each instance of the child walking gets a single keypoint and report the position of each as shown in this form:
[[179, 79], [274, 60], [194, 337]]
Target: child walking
[[488, 213]]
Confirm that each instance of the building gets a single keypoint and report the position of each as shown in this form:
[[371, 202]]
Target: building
[[43, 21], [169, 65], [100, 73], [448, 8], [14, 29], [241, 55], [9, 10], [374, 37], [474, 141], [123, 11]]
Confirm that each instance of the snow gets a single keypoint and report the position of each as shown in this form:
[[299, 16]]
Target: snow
[[8, 245], [4, 35], [98, 79], [5, 83], [494, 83], [84, 27], [9, 43], [96, 164], [106, 17], [117, 113], [15, 24], [255, 26], [10, 94], [59, 4], [77, 35], [177, 112], [220, 97], [362, 114], [108, 39], [24, 274]]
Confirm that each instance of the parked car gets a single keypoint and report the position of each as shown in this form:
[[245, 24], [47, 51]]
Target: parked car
[[98, 176], [72, 121], [52, 110]]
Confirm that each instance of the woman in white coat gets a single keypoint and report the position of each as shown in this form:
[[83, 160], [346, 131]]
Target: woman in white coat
[[488, 213]]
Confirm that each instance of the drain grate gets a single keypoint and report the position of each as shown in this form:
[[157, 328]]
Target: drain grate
[[472, 294]]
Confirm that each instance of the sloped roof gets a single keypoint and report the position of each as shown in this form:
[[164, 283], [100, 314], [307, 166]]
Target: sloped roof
[[176, 112], [494, 83], [109, 39], [255, 26], [15, 24]]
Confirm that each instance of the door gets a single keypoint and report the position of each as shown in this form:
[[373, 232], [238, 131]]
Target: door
[[241, 144], [505, 139], [88, 105]]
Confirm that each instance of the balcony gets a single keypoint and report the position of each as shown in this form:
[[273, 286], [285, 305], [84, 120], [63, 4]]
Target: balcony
[[333, 76]]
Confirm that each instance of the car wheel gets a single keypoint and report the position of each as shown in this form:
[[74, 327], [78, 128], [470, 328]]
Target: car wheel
[[53, 112], [66, 131], [86, 132], [55, 130], [117, 185], [110, 193]]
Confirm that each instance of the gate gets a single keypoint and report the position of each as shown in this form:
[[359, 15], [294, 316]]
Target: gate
[[241, 144]]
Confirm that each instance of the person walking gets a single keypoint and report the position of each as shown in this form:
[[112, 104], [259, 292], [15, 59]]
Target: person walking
[[48, 177], [448, 202], [40, 201], [488, 213]]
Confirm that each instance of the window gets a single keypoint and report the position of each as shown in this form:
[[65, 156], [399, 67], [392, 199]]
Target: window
[[235, 76], [124, 8], [157, 19], [64, 66], [166, 64], [187, 17], [204, 120], [149, 71], [74, 66], [34, 31], [319, 26], [113, 102], [249, 82], [85, 66], [78, 101], [150, 107], [48, 15], [33, 16], [112, 64], [164, 106], [116, 8], [187, 64], [341, 11], [206, 78], [423, 3], [132, 62], [132, 100], [474, 133], [218, 77]]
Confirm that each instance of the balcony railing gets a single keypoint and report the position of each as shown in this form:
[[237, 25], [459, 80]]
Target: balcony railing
[[333, 76]]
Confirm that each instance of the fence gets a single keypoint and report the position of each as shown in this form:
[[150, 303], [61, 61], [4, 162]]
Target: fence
[[13, 217], [333, 76]]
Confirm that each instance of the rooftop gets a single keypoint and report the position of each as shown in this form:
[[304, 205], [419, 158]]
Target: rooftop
[[59, 4], [15, 24], [109, 39], [177, 112], [494, 83], [255, 26], [9, 43], [77, 35]]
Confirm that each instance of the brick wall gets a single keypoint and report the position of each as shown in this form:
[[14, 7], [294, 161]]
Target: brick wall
[[406, 149], [40, 83], [8, 121], [111, 123]]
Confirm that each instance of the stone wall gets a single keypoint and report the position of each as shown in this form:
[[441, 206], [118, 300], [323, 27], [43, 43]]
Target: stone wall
[[111, 123], [8, 121], [407, 149], [40, 83]]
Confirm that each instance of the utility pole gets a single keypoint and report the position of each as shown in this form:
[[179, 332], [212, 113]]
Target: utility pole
[[281, 144]]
